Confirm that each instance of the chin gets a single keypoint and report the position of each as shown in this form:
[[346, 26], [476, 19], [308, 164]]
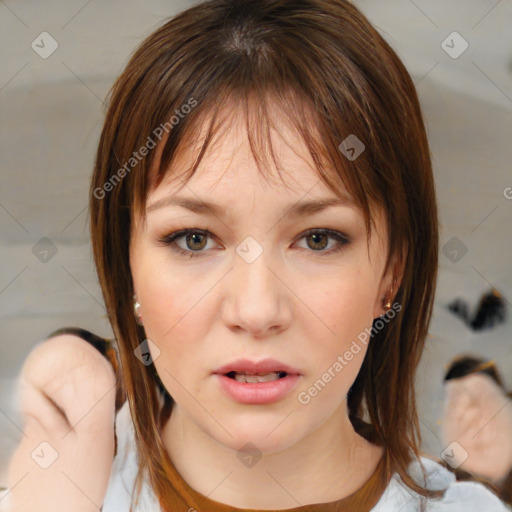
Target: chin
[[268, 435]]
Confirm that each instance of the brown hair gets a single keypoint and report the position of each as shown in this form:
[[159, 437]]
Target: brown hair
[[332, 73]]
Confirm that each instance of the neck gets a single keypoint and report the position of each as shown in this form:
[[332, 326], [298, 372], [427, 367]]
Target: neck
[[333, 460]]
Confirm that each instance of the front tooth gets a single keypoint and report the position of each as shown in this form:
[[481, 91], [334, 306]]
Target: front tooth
[[243, 377], [268, 378]]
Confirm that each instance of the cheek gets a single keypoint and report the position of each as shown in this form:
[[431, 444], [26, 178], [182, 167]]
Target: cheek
[[175, 320], [343, 310], [338, 351], [172, 310], [164, 296], [343, 306], [175, 314]]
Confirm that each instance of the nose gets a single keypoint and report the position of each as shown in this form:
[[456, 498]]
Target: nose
[[258, 300]]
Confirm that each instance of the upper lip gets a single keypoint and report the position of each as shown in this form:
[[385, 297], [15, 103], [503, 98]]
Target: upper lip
[[256, 367]]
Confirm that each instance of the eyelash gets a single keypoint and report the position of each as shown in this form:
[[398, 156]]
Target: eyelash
[[170, 240]]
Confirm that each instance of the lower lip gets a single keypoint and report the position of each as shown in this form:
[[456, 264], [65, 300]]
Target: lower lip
[[258, 392]]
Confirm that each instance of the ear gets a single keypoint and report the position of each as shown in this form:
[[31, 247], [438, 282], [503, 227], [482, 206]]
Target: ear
[[390, 283]]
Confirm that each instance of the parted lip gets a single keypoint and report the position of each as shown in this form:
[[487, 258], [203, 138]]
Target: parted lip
[[256, 367]]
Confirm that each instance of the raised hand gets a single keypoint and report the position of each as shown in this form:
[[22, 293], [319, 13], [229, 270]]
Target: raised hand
[[63, 462]]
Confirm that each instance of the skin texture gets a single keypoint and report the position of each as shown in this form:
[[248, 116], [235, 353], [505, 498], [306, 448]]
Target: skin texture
[[67, 395], [297, 303]]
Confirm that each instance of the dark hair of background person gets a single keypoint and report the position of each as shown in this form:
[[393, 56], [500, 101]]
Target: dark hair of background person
[[329, 70]]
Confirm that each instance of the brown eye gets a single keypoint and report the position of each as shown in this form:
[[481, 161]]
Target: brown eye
[[189, 242], [193, 241], [319, 241]]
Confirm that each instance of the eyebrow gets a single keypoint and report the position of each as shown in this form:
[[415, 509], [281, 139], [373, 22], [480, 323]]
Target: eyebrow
[[208, 208]]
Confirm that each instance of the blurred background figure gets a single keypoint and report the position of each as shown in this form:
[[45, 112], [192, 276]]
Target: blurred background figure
[[477, 424], [491, 311]]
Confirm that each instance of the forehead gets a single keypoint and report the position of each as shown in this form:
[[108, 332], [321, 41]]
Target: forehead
[[229, 168]]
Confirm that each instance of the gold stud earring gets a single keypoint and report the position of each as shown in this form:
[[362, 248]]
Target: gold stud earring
[[387, 305]]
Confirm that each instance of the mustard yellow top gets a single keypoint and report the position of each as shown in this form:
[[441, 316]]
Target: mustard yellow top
[[362, 500]]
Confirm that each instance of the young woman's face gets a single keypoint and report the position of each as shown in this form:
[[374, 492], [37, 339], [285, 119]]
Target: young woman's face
[[256, 286]]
